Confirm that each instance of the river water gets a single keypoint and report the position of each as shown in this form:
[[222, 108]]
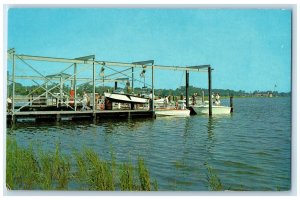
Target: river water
[[249, 149]]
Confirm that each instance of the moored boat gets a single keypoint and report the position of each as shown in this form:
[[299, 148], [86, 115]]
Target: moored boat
[[204, 109], [125, 98], [172, 112]]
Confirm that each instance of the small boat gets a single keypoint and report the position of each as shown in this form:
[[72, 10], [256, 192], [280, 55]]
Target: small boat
[[203, 109], [125, 98], [173, 112]]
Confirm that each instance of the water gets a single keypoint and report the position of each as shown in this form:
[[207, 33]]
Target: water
[[249, 150]]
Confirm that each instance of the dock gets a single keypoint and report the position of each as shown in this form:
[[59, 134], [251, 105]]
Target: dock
[[56, 96], [57, 116]]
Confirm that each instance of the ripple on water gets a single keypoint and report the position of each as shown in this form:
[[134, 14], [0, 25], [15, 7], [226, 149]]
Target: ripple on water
[[249, 150]]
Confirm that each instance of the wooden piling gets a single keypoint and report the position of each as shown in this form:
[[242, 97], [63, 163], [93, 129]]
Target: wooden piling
[[209, 92], [152, 99], [58, 118], [187, 88], [231, 103]]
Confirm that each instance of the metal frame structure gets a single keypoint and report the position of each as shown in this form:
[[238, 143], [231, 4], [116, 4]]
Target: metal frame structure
[[90, 60]]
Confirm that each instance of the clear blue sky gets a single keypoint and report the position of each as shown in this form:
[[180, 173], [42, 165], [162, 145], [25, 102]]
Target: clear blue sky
[[248, 49]]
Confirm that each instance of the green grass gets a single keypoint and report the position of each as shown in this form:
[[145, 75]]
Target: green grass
[[21, 167], [29, 170]]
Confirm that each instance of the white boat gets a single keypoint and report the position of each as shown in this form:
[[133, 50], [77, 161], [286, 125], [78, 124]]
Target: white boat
[[125, 98], [216, 110], [159, 102], [172, 112]]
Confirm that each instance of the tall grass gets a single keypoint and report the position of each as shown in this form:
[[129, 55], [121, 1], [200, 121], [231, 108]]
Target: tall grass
[[27, 170], [22, 167], [127, 178], [94, 173], [143, 175]]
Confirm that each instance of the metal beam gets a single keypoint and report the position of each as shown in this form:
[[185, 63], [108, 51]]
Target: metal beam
[[50, 59], [86, 57], [58, 79], [144, 62], [199, 67], [13, 85], [132, 79], [75, 86], [177, 68], [152, 98], [115, 64], [94, 87]]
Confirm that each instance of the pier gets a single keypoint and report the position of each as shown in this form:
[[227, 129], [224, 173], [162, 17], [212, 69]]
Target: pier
[[57, 116], [55, 96]]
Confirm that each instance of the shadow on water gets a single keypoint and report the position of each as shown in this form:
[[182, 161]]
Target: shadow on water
[[210, 127], [212, 180]]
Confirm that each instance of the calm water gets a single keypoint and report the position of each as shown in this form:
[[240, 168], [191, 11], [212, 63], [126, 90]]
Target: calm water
[[249, 149]]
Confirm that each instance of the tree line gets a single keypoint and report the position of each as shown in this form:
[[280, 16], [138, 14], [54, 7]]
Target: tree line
[[36, 90]]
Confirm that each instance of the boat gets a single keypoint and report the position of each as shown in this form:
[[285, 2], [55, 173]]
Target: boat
[[159, 103], [216, 110], [172, 112], [125, 98]]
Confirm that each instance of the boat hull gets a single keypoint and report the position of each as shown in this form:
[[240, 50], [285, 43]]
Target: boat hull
[[216, 110], [172, 112], [123, 98]]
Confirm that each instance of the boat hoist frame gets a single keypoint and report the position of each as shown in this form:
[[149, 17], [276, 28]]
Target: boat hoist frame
[[91, 62]]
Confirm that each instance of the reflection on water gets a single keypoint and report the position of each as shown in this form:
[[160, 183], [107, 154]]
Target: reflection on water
[[249, 149]]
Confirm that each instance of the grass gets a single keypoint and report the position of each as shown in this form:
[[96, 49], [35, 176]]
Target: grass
[[27, 170], [21, 167]]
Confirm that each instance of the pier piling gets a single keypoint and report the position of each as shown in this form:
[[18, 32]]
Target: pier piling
[[187, 88], [209, 92], [231, 103]]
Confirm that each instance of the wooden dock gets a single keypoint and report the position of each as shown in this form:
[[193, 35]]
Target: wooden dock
[[57, 116]]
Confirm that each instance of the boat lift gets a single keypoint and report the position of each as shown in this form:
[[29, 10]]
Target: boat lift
[[89, 63]]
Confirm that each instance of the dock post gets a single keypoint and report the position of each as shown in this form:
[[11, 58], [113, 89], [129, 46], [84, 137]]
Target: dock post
[[231, 103], [152, 99], [94, 87], [58, 118], [209, 92], [13, 87], [116, 85], [187, 88], [75, 88], [94, 118], [129, 115], [202, 97]]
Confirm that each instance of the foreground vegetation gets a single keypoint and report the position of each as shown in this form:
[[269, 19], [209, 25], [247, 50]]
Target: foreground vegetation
[[27, 170]]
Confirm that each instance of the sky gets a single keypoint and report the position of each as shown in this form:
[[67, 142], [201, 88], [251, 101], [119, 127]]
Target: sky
[[249, 49]]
